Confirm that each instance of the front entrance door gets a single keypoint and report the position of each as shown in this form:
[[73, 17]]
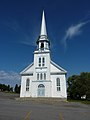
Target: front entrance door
[[41, 90]]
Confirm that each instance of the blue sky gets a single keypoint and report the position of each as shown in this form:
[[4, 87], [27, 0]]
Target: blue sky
[[68, 27]]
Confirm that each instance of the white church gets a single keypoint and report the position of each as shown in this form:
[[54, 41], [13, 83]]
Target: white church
[[43, 77]]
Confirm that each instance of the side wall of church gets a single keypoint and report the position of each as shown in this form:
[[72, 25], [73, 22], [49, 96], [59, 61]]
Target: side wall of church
[[23, 92], [62, 93]]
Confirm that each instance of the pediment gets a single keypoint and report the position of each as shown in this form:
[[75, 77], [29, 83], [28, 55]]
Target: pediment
[[28, 70], [56, 68]]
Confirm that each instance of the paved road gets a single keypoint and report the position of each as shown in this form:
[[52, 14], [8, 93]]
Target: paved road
[[11, 109], [25, 110]]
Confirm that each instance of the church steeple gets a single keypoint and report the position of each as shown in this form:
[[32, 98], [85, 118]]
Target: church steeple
[[43, 25], [43, 42]]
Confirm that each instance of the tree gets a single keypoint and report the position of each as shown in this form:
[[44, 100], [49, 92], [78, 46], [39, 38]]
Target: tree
[[8, 88], [79, 85], [17, 88], [4, 87], [11, 89]]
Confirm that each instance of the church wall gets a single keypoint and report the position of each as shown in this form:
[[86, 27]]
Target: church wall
[[41, 69], [35, 88], [47, 89], [62, 92], [23, 92]]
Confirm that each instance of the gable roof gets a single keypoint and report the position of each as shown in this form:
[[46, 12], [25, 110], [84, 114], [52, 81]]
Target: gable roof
[[59, 69], [26, 69]]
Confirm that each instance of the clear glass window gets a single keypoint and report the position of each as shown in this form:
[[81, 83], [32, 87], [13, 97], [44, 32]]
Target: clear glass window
[[44, 76], [39, 61], [41, 76], [58, 84], [27, 84], [43, 61], [38, 76]]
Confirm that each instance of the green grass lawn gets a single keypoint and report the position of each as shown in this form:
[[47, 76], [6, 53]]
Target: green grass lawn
[[81, 101]]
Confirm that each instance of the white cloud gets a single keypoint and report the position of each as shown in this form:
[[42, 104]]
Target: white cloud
[[9, 76], [72, 31]]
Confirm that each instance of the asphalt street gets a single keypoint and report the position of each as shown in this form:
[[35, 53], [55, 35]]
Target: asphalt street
[[11, 109]]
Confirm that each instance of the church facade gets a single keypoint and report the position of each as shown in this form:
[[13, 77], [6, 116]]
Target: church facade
[[43, 77]]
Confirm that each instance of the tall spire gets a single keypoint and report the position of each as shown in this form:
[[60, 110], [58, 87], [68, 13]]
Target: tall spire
[[43, 25], [43, 33]]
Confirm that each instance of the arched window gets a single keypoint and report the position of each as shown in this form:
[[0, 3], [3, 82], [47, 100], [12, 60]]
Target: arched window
[[27, 84], [58, 84], [44, 76], [41, 86]]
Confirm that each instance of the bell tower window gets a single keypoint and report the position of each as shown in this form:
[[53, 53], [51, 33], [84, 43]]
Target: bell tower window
[[42, 45]]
